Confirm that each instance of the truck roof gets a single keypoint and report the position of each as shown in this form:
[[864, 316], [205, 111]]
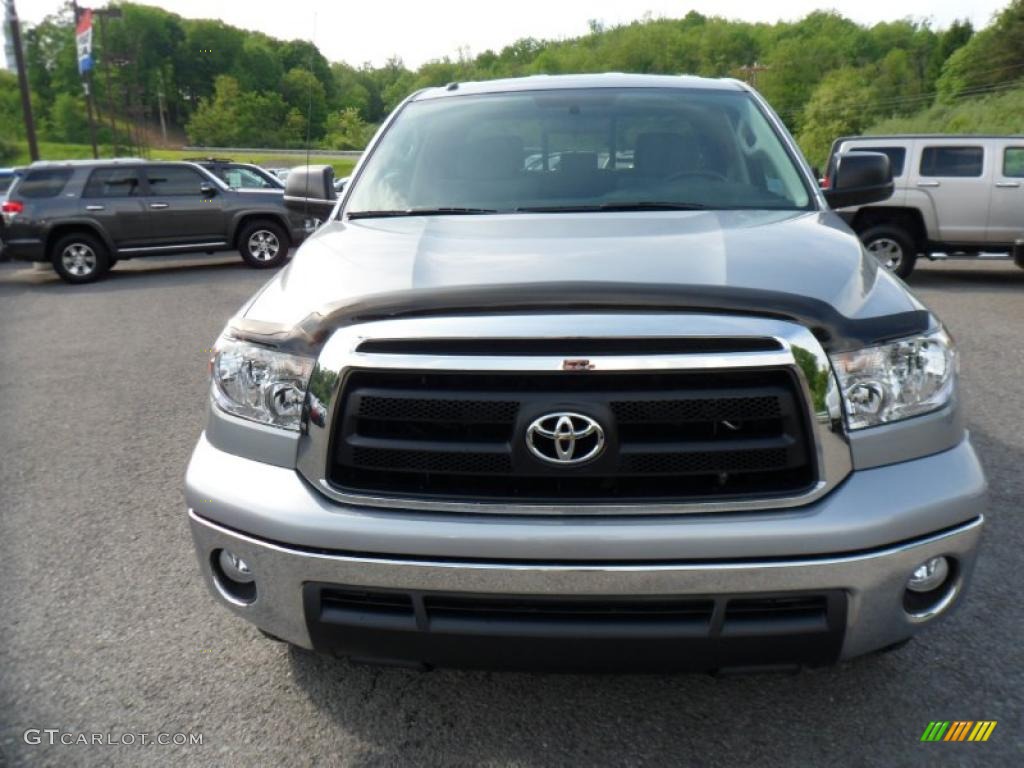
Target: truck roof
[[941, 136], [604, 80]]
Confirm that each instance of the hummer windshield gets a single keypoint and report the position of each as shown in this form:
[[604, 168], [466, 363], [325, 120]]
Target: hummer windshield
[[594, 149]]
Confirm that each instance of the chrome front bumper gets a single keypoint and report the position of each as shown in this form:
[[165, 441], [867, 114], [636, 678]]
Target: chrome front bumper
[[877, 511], [874, 581]]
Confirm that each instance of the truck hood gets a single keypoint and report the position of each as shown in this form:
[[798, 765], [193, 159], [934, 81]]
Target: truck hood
[[804, 254]]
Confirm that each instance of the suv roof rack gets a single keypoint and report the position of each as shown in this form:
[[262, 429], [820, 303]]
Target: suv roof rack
[[74, 163]]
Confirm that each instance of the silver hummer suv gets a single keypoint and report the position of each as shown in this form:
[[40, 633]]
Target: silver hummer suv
[[582, 372]]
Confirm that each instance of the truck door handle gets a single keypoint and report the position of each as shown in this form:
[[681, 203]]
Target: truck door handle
[[927, 183], [158, 205], [1007, 184], [94, 207]]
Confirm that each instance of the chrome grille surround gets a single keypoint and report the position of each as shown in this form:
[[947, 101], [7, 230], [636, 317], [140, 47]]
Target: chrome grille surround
[[798, 351]]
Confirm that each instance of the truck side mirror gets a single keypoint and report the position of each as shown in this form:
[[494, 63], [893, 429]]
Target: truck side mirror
[[310, 189], [859, 178]]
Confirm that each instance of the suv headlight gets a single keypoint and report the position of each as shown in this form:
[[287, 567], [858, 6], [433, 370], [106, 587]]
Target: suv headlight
[[259, 383], [897, 380]]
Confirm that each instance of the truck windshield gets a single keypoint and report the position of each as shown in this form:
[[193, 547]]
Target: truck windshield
[[595, 149]]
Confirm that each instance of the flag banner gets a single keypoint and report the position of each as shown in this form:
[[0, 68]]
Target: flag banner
[[83, 39]]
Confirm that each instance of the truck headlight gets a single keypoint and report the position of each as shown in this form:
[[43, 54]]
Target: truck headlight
[[897, 380], [259, 383]]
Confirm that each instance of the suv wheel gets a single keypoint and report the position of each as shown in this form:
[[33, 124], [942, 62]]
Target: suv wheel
[[263, 244], [80, 258], [893, 248]]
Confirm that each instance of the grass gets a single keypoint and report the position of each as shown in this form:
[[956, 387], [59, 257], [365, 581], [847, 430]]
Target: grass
[[55, 151]]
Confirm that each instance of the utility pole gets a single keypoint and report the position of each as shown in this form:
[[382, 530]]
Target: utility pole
[[26, 100], [87, 85], [104, 14], [160, 104], [751, 71]]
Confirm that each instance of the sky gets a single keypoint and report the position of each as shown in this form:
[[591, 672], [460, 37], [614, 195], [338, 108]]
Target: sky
[[358, 32]]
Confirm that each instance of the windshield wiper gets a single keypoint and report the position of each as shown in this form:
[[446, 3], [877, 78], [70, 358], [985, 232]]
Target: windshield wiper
[[642, 205], [419, 212]]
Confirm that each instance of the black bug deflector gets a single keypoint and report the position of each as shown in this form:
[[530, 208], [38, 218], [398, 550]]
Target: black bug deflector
[[835, 331]]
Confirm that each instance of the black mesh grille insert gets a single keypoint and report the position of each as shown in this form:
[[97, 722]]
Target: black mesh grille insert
[[706, 461], [432, 461], [423, 409], [698, 409], [669, 436]]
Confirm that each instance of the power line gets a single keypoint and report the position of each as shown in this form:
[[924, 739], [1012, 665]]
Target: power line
[[917, 99]]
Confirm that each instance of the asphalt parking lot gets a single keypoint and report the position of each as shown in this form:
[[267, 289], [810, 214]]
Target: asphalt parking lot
[[106, 627]]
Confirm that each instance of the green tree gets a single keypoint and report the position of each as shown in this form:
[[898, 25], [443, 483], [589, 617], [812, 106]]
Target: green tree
[[52, 61], [294, 130], [992, 58], [215, 122], [350, 89], [209, 49], [391, 83], [12, 125], [258, 67], [301, 54], [68, 119], [143, 57], [304, 94], [841, 105], [817, 69], [233, 118], [347, 130]]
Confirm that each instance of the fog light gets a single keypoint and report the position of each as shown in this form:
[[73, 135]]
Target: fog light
[[235, 568], [929, 575]]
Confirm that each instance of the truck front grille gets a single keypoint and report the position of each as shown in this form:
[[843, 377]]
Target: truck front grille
[[670, 436]]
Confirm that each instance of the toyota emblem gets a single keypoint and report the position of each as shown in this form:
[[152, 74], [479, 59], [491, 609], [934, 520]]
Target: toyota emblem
[[565, 438]]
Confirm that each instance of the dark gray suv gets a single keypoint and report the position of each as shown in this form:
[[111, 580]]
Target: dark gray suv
[[85, 216]]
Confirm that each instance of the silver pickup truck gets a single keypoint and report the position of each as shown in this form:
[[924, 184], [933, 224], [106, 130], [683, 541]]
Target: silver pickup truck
[[582, 372]]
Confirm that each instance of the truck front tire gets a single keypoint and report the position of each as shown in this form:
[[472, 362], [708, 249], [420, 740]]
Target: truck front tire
[[893, 247]]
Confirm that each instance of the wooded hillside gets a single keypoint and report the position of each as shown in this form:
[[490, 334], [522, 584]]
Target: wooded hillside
[[224, 86]]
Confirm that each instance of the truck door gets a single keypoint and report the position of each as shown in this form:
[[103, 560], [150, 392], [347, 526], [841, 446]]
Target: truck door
[[1006, 213], [956, 177]]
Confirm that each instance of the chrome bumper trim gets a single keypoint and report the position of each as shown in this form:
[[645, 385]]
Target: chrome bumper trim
[[874, 581]]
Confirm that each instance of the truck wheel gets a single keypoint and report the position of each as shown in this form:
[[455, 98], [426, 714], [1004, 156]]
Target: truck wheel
[[894, 248], [263, 244], [80, 258]]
